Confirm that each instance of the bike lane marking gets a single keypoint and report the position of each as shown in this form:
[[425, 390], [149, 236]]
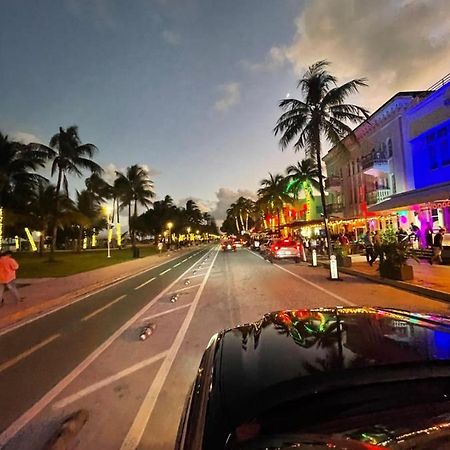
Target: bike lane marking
[[12, 430], [154, 316], [140, 422], [106, 381]]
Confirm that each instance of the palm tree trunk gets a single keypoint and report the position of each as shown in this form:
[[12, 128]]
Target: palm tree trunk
[[237, 225], [246, 222], [129, 222], [279, 223], [55, 218], [41, 241], [322, 192], [134, 221], [80, 237]]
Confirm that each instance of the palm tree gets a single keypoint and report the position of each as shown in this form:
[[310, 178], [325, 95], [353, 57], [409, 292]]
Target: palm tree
[[303, 176], [87, 213], [18, 163], [273, 194], [136, 188], [234, 212], [69, 156], [322, 114]]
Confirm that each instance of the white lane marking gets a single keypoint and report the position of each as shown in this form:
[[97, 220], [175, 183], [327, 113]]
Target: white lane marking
[[136, 431], [111, 379], [166, 312], [184, 260], [29, 415], [195, 276], [13, 361], [144, 283], [99, 310], [177, 264], [320, 288], [165, 271], [185, 288], [83, 297]]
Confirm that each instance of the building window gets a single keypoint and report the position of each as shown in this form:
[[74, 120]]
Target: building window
[[390, 151], [444, 147], [432, 151]]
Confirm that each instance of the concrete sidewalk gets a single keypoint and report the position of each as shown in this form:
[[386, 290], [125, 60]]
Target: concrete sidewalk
[[431, 281], [42, 295]]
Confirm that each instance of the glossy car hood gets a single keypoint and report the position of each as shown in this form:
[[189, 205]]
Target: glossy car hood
[[304, 346]]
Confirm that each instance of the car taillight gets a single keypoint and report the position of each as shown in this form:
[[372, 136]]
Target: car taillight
[[276, 247]]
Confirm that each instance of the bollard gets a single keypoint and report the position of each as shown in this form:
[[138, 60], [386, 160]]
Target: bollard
[[314, 257], [187, 282], [147, 331], [303, 253], [334, 273]]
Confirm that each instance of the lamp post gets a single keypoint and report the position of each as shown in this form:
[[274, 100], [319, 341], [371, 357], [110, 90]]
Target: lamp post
[[107, 211], [169, 227]]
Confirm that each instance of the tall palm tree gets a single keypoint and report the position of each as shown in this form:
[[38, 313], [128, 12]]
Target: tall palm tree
[[69, 156], [136, 188], [273, 194], [234, 212], [322, 113], [18, 165], [87, 213], [303, 176]]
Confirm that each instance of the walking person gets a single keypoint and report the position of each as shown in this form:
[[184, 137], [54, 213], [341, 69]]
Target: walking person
[[368, 246], [8, 267], [437, 246], [378, 252]]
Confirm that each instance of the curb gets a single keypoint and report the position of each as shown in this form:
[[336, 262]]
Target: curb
[[431, 293], [14, 319]]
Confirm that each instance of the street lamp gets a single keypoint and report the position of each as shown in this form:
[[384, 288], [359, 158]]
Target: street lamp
[[107, 211], [169, 227]]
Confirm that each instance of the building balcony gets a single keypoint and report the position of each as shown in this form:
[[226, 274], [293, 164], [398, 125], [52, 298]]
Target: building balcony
[[333, 184], [375, 164], [335, 208], [378, 196]]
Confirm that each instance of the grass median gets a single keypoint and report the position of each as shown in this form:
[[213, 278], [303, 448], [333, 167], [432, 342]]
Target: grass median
[[68, 263]]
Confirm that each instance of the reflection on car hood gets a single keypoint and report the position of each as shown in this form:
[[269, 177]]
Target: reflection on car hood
[[321, 344]]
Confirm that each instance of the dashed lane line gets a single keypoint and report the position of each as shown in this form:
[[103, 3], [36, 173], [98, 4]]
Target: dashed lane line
[[320, 288], [154, 316], [105, 382], [165, 271], [144, 283], [178, 264], [140, 422], [15, 427], [13, 361], [99, 310]]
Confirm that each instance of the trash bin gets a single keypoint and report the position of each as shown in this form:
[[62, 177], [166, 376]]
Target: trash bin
[[135, 252]]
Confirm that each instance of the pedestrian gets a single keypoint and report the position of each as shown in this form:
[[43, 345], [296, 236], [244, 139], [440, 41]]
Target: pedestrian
[[345, 243], [437, 246], [8, 267], [378, 252], [368, 246], [402, 235]]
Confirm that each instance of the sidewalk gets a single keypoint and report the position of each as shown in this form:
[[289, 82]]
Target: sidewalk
[[432, 281], [43, 294]]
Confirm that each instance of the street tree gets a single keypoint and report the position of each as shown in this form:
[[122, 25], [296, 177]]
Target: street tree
[[322, 114]]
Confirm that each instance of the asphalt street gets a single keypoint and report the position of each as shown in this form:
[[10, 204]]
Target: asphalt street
[[88, 355]]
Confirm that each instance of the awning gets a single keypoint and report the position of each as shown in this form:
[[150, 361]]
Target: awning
[[438, 193]]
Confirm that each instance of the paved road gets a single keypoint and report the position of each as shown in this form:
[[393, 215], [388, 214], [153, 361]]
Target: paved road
[[88, 355]]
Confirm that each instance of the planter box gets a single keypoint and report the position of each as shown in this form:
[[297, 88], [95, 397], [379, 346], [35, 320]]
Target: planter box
[[402, 273], [344, 261]]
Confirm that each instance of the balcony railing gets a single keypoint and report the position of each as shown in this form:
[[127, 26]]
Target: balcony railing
[[333, 183], [378, 196], [375, 163]]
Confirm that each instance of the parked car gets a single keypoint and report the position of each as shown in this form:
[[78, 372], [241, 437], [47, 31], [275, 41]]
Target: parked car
[[285, 249], [329, 378]]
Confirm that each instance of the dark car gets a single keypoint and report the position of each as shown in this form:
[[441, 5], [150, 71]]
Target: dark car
[[337, 378]]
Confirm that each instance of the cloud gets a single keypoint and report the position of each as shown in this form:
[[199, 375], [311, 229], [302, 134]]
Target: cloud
[[109, 174], [230, 96], [171, 37], [25, 138], [225, 197], [203, 205], [397, 44], [275, 59]]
